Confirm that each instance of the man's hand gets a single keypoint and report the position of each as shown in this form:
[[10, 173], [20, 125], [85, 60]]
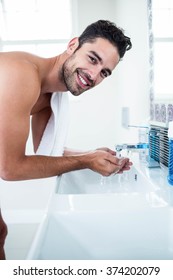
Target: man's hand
[[105, 163]]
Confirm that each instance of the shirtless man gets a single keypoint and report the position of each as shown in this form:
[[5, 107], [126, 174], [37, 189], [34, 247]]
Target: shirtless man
[[26, 84]]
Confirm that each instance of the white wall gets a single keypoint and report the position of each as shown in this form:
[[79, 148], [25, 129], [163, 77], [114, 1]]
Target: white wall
[[96, 115], [133, 73]]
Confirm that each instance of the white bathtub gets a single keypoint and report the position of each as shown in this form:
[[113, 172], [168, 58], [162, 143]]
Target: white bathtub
[[121, 217]]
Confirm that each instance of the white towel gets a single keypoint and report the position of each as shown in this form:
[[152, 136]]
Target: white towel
[[55, 133]]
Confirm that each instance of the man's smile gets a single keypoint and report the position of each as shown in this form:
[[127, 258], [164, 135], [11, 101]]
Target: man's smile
[[83, 80]]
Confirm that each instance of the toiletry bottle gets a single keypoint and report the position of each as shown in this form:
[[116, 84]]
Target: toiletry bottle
[[170, 163]]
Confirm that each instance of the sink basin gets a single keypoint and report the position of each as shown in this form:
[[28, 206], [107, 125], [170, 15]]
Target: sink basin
[[89, 182], [124, 216]]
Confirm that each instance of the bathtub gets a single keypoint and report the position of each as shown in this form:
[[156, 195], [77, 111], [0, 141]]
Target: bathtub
[[127, 216]]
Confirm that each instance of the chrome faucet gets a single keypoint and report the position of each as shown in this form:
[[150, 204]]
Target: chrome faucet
[[137, 146], [140, 147]]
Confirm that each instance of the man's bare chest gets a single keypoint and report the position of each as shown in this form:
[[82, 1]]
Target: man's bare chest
[[42, 102]]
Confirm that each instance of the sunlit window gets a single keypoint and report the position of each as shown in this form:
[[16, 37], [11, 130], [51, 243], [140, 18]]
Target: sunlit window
[[163, 47], [38, 26]]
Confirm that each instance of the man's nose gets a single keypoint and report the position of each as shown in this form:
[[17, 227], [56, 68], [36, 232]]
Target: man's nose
[[94, 73]]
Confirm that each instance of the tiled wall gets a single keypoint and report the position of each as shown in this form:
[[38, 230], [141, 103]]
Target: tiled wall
[[160, 112]]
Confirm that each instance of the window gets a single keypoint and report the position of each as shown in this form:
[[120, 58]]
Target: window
[[39, 26], [163, 48]]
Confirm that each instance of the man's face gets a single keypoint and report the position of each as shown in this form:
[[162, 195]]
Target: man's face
[[89, 65]]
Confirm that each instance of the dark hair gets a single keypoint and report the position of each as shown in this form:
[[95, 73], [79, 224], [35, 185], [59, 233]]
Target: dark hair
[[106, 30]]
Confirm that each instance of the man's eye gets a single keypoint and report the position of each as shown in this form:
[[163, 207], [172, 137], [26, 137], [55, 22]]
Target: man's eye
[[104, 74], [93, 59]]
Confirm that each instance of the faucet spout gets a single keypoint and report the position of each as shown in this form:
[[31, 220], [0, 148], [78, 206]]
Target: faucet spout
[[137, 146]]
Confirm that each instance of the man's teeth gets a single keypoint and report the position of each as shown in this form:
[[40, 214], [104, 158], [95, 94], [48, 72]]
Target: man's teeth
[[82, 80]]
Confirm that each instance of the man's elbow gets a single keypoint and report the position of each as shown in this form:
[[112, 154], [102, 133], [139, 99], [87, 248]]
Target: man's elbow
[[8, 173]]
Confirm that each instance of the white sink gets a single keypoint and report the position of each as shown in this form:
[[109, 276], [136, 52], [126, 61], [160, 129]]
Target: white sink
[[89, 182], [118, 217]]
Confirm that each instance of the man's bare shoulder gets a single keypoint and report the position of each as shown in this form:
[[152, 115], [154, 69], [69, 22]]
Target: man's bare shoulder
[[20, 76], [19, 61], [19, 56]]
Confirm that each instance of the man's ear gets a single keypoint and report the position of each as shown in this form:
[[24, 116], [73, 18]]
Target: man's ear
[[72, 45]]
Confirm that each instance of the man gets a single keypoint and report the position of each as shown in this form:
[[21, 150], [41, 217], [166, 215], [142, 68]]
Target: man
[[26, 85]]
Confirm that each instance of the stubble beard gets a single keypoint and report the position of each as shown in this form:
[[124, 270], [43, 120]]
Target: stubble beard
[[69, 78], [70, 74]]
